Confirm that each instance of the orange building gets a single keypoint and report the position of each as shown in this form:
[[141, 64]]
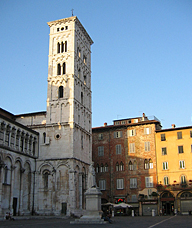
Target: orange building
[[174, 169]]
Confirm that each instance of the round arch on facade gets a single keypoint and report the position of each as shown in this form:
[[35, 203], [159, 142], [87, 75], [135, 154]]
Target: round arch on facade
[[63, 164], [18, 159], [44, 166]]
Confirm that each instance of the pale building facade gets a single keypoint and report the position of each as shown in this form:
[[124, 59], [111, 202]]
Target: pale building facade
[[65, 144], [18, 154]]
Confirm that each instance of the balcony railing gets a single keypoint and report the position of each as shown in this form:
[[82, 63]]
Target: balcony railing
[[174, 187]]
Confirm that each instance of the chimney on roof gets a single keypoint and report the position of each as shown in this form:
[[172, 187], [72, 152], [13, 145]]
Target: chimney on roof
[[143, 117], [105, 124], [173, 125]]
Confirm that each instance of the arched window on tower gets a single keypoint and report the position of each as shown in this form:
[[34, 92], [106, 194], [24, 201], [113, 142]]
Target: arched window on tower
[[79, 52], [62, 47], [34, 148], [44, 137], [117, 166], [85, 59], [150, 164], [146, 164], [46, 174], [85, 79], [58, 69], [130, 165], [102, 168], [58, 47], [60, 95], [64, 68], [121, 167], [106, 167], [46, 179], [79, 73], [82, 97], [5, 175], [97, 168], [65, 46]]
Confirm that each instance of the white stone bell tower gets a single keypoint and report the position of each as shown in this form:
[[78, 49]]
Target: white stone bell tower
[[69, 85]]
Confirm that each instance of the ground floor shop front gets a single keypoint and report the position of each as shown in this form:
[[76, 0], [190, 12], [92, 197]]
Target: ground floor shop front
[[165, 203], [175, 202]]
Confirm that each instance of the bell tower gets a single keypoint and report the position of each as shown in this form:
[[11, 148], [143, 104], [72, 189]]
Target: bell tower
[[69, 86]]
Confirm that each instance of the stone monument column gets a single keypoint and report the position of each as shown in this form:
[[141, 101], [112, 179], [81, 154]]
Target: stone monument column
[[93, 202]]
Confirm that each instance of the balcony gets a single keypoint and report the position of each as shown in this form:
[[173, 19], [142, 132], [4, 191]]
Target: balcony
[[174, 187]]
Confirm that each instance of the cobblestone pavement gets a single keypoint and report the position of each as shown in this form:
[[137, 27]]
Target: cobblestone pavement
[[133, 222]]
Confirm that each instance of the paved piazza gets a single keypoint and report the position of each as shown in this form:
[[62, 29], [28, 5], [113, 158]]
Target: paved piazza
[[133, 222]]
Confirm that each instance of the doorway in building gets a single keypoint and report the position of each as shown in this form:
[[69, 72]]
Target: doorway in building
[[167, 208], [167, 200], [14, 206], [64, 208]]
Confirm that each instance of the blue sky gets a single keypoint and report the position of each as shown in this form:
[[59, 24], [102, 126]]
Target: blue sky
[[141, 56]]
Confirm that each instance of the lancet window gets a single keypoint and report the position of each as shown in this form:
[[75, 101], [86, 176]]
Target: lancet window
[[61, 47], [61, 69]]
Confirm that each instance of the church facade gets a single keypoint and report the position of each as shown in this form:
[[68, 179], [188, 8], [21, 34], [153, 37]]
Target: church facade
[[59, 169]]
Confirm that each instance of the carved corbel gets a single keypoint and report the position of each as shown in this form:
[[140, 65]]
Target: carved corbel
[[2, 164], [13, 167], [22, 170], [53, 171]]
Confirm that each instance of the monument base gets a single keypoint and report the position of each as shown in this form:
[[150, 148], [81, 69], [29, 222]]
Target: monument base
[[89, 218], [88, 221], [93, 211]]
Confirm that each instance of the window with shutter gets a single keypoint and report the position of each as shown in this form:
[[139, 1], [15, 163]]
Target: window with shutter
[[133, 182], [101, 151], [147, 146], [132, 147], [182, 164], [102, 184], [163, 138], [165, 165], [148, 182], [166, 180], [100, 136], [179, 135], [183, 179], [118, 134], [131, 132], [180, 149], [147, 130], [164, 150], [120, 183], [118, 149]]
